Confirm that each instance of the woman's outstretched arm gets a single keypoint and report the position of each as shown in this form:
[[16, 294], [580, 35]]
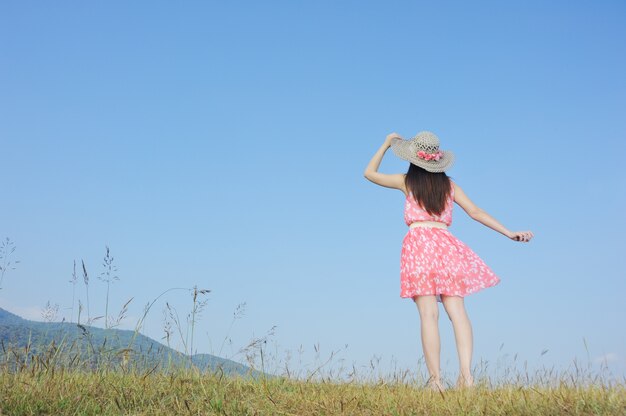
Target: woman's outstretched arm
[[484, 218], [371, 171]]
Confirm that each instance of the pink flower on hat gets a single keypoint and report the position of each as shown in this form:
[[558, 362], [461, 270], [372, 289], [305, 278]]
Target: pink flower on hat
[[430, 156]]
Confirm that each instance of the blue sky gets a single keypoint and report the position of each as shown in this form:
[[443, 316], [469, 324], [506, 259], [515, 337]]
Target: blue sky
[[224, 144]]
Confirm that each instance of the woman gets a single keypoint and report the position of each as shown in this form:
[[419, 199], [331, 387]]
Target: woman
[[434, 264]]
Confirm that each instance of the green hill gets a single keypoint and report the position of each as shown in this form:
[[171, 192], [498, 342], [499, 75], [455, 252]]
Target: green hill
[[63, 343]]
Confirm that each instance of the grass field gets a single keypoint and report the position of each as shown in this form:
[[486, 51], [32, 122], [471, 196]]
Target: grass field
[[35, 389]]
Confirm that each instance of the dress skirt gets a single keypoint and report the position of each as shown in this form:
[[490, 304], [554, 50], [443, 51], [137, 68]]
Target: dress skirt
[[435, 262]]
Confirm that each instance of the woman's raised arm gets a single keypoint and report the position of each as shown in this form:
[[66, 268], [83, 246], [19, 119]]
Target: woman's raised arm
[[371, 173], [484, 218]]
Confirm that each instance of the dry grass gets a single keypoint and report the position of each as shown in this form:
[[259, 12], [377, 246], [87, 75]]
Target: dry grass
[[40, 390]]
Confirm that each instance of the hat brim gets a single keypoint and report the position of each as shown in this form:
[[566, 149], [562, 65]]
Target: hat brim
[[401, 149]]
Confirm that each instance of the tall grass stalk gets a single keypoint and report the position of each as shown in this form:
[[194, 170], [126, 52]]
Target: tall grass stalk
[[147, 308], [108, 276], [198, 306], [86, 281], [6, 251], [73, 281], [239, 312]]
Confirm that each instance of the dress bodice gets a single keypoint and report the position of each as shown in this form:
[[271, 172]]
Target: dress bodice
[[414, 212]]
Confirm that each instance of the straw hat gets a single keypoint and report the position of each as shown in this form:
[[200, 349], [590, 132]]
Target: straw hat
[[423, 151]]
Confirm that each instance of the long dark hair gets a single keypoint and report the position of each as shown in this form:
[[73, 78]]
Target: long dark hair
[[431, 190]]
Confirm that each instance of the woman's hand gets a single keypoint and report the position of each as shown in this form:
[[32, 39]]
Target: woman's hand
[[371, 171], [391, 136], [523, 236]]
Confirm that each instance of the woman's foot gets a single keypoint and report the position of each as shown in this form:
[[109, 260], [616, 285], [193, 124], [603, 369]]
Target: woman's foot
[[435, 384], [465, 381]]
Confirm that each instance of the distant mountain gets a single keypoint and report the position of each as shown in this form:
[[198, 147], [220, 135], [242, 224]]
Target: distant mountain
[[75, 344]]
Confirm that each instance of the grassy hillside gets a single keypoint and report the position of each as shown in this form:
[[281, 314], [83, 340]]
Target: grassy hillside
[[23, 340]]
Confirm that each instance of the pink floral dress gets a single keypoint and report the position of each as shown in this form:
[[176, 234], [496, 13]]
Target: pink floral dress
[[434, 262]]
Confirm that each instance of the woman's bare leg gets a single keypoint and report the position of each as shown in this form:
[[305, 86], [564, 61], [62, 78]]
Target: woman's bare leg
[[429, 317], [455, 308]]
